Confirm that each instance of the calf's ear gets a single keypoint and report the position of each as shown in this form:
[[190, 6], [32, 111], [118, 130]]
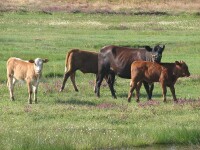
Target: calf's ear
[[45, 60], [148, 48], [31, 61], [177, 63]]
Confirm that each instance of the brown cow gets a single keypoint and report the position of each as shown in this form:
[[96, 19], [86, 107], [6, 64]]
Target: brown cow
[[117, 60], [165, 73], [29, 71], [85, 61]]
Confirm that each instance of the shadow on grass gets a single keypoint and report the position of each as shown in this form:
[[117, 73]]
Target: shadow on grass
[[142, 95], [75, 102]]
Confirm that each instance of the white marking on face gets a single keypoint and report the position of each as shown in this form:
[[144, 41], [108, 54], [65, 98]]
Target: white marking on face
[[38, 65]]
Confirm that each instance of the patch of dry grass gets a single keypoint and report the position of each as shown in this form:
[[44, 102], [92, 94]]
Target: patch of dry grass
[[102, 5]]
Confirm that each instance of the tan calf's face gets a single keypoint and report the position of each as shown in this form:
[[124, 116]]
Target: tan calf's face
[[38, 64]]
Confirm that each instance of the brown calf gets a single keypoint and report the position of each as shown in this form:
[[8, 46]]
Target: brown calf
[[85, 61], [165, 73], [29, 71]]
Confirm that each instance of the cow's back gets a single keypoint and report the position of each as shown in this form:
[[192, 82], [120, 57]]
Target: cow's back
[[85, 61], [18, 68], [119, 59], [148, 71]]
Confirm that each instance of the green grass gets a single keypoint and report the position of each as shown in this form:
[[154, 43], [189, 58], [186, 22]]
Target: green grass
[[71, 120]]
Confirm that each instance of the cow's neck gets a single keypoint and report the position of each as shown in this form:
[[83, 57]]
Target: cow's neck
[[148, 56], [37, 75], [175, 74]]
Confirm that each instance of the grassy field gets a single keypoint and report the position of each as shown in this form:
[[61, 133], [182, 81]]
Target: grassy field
[[71, 120]]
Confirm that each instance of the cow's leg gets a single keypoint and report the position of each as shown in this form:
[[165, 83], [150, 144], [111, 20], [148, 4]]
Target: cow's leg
[[132, 87], [151, 87], [72, 77], [98, 84], [172, 89], [66, 76], [30, 91], [138, 91], [110, 81], [164, 91], [95, 90], [10, 85], [146, 86], [35, 90]]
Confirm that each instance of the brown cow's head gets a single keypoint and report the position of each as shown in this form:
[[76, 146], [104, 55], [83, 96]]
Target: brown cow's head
[[182, 69], [156, 52]]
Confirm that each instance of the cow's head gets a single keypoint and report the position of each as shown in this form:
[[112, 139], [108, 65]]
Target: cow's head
[[182, 69], [156, 52], [38, 64]]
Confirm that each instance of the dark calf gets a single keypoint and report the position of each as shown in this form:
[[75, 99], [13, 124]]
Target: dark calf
[[165, 73]]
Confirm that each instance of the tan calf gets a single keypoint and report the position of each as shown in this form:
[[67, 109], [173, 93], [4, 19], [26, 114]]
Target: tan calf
[[29, 71]]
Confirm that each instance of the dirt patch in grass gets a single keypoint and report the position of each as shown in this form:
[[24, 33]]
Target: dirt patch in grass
[[149, 103], [137, 7]]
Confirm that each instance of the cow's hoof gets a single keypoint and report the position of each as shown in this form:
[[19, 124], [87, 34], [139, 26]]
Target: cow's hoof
[[114, 97], [175, 101]]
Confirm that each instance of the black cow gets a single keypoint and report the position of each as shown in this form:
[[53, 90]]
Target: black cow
[[115, 60]]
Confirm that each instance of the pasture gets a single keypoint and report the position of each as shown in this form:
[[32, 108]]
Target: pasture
[[80, 120]]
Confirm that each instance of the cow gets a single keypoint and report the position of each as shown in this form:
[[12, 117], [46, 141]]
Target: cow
[[29, 71], [116, 60], [165, 73], [85, 61]]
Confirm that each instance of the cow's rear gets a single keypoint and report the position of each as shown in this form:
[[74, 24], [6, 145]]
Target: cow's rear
[[85, 61]]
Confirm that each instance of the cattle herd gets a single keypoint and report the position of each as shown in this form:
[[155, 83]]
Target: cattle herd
[[141, 65]]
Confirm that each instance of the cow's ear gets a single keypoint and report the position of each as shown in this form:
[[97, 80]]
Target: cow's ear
[[31, 61], [177, 63], [163, 48], [149, 49], [45, 60]]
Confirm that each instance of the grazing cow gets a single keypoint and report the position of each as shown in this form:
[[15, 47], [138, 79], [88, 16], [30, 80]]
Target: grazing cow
[[85, 61], [117, 60], [165, 73], [29, 71]]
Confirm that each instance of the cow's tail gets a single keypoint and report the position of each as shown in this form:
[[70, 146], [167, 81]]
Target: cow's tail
[[69, 59], [67, 65]]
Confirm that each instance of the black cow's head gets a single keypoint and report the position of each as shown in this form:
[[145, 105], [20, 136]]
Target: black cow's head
[[156, 52]]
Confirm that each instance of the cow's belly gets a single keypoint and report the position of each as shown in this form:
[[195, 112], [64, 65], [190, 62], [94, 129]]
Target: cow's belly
[[19, 77], [124, 74], [89, 70], [151, 79]]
